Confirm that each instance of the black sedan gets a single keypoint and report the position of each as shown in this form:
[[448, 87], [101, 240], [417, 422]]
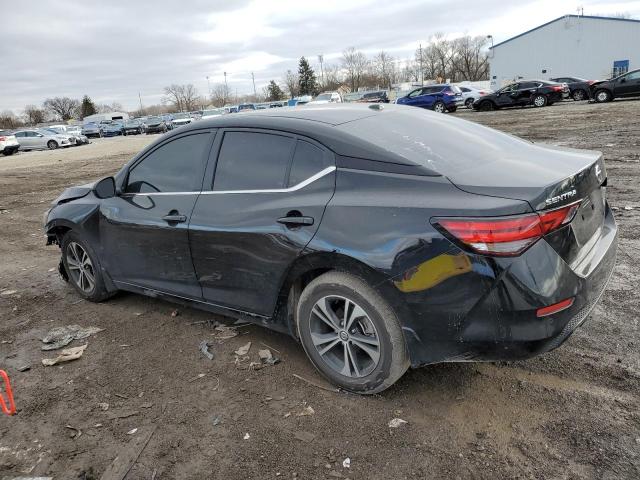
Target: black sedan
[[379, 236], [156, 125], [626, 85], [538, 93], [579, 88], [133, 127]]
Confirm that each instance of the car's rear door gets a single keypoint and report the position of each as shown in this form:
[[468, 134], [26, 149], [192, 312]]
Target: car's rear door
[[144, 230], [264, 206]]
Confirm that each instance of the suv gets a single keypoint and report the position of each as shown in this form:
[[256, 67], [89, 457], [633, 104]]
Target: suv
[[626, 85], [374, 97], [379, 237], [439, 98], [538, 93], [579, 88], [8, 143]]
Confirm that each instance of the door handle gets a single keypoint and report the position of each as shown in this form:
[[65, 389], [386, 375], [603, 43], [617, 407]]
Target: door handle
[[296, 221], [174, 218]]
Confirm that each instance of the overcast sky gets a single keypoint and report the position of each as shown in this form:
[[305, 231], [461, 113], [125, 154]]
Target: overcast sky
[[112, 49]]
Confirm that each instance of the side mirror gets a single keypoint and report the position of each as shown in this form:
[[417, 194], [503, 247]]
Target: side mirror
[[623, 79], [105, 188]]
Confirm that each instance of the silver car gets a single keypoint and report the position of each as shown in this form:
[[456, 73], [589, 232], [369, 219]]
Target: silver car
[[74, 134], [40, 139]]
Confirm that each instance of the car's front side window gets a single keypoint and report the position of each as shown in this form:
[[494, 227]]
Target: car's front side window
[[633, 76], [253, 161], [176, 166]]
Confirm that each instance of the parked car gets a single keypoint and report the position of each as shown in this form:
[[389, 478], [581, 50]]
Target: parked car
[[374, 97], [92, 129], [77, 132], [439, 98], [112, 129], [352, 97], [73, 133], [71, 139], [470, 94], [243, 107], [579, 88], [133, 127], [155, 125], [32, 139], [326, 97], [8, 143], [376, 237], [214, 112], [626, 85], [538, 93], [181, 119]]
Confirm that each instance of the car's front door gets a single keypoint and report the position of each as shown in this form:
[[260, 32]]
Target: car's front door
[[525, 92], [629, 87], [268, 198], [144, 230], [508, 96]]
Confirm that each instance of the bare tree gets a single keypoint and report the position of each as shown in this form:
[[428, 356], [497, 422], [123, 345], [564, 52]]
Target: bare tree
[[9, 120], [385, 68], [355, 63], [220, 95], [190, 97], [34, 115], [470, 61], [63, 107], [184, 98], [291, 83], [333, 77]]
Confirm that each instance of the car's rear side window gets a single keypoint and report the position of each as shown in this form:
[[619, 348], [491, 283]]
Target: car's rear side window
[[177, 166], [307, 161], [253, 161]]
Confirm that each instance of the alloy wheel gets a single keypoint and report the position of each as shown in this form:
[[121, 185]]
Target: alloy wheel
[[439, 107], [539, 101], [80, 267], [344, 336], [578, 95], [603, 96]]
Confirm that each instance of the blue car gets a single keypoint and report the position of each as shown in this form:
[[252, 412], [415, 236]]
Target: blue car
[[439, 98], [112, 129]]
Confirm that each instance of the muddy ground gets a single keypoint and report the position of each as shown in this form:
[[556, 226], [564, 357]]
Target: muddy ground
[[573, 413]]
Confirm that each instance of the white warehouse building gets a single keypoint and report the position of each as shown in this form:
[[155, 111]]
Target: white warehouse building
[[588, 47]]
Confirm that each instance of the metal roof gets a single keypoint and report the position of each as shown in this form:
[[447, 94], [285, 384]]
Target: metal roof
[[561, 18]]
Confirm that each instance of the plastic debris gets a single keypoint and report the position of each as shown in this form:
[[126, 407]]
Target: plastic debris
[[216, 420], [66, 355], [175, 313], [267, 358], [132, 431], [204, 348], [247, 436], [306, 411], [8, 292], [243, 350], [62, 336], [628, 207], [224, 332], [76, 431], [396, 422], [103, 406], [346, 463]]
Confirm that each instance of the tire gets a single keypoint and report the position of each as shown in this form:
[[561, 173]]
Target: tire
[[76, 265], [52, 144], [486, 106], [9, 152], [452, 109], [439, 107], [602, 96], [540, 100], [579, 95], [469, 102], [346, 363]]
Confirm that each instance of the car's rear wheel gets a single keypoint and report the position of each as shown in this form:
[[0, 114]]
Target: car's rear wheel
[[52, 144], [540, 100], [439, 107], [579, 95], [83, 268], [469, 103], [351, 334], [452, 109], [602, 96], [486, 106]]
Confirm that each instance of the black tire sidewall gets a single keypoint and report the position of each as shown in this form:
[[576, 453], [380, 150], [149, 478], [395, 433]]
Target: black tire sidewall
[[99, 292], [382, 371]]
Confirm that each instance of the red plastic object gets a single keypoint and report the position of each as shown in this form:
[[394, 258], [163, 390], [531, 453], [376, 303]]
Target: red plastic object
[[11, 409]]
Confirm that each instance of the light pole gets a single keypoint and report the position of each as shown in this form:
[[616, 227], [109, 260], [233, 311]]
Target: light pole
[[421, 69], [490, 37], [253, 79], [226, 88], [208, 86], [320, 59]]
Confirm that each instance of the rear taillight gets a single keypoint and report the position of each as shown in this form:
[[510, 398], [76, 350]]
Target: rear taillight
[[555, 308], [505, 236], [2, 139], [558, 88]]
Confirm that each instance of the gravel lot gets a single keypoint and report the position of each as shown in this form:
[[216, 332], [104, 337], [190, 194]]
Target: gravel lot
[[572, 413]]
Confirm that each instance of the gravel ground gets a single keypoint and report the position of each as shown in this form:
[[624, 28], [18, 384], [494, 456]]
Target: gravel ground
[[572, 413]]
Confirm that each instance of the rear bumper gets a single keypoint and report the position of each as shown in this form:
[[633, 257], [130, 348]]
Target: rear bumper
[[10, 149], [485, 309]]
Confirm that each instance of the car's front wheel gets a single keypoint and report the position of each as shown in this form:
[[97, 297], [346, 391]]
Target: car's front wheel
[[603, 96], [579, 95], [486, 106], [540, 100], [52, 144], [469, 103], [83, 268], [351, 334]]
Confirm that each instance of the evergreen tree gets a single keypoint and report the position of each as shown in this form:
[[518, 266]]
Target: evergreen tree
[[307, 82], [274, 92], [87, 107]]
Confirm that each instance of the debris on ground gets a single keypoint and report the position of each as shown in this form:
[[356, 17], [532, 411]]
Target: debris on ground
[[306, 437], [306, 411], [24, 368], [628, 207], [132, 431], [315, 384], [123, 414], [243, 350], [396, 422], [8, 292], [103, 406], [125, 460], [197, 377], [267, 358], [247, 436], [146, 405], [59, 337], [216, 420], [204, 348], [175, 313], [76, 431], [224, 332], [66, 355], [346, 463]]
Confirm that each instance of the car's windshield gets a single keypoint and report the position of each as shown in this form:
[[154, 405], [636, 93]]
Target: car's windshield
[[154, 120], [209, 113], [246, 107], [323, 96], [180, 115]]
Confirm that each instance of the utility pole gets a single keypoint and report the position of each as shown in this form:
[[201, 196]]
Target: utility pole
[[253, 78], [226, 88], [140, 98], [208, 86], [421, 69], [320, 59]]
